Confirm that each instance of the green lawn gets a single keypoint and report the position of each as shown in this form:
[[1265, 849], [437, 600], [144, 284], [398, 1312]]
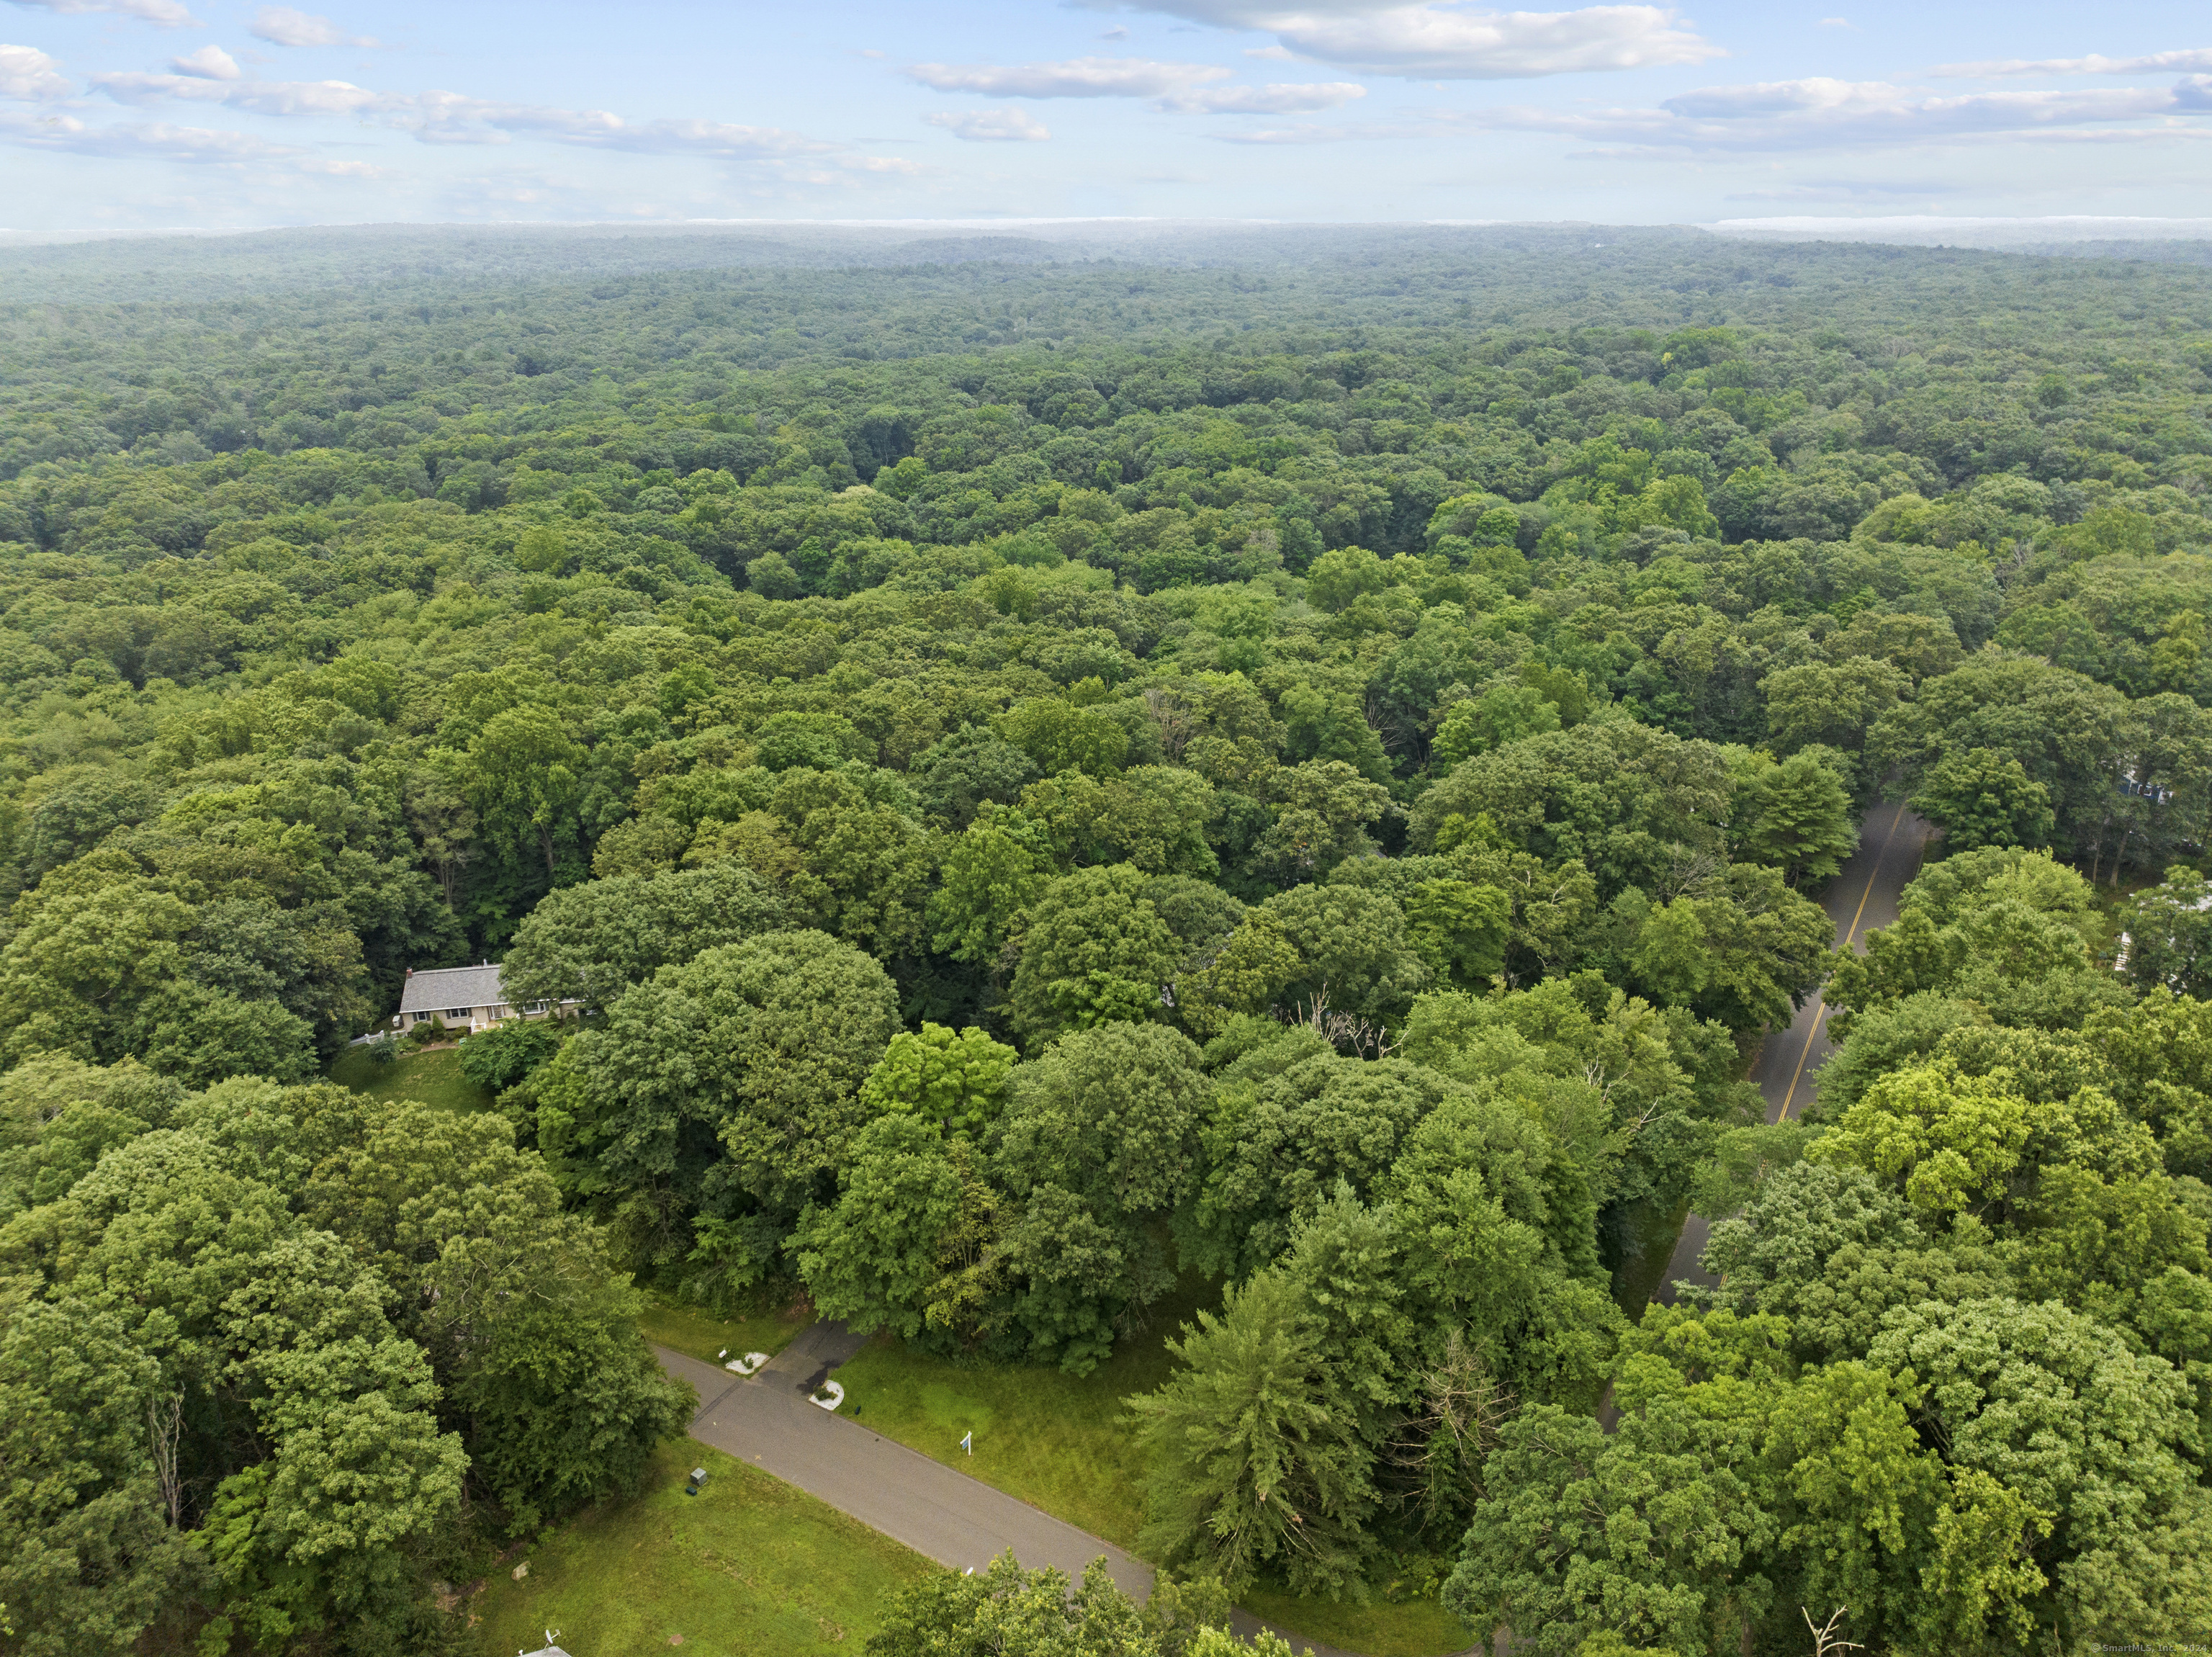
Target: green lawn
[[1422, 1629], [749, 1565], [1057, 1440], [701, 1335], [1050, 1438], [427, 1078]]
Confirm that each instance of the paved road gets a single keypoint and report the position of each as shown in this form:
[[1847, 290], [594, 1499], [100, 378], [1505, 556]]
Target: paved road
[[1860, 899], [933, 1509], [944, 1514]]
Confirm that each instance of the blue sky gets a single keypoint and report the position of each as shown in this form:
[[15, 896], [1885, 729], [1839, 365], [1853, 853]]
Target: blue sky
[[139, 114]]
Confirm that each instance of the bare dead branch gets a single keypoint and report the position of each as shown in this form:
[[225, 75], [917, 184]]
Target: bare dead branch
[[1824, 1643], [1439, 1446], [165, 1421], [1342, 1031]]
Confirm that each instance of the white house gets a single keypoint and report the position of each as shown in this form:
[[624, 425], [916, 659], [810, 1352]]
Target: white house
[[461, 995]]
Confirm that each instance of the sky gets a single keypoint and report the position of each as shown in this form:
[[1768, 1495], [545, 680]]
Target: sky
[[123, 115]]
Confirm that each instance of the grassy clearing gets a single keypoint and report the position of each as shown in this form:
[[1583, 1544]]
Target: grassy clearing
[[699, 1334], [749, 1564], [1058, 1442], [427, 1078], [1420, 1629], [1052, 1438]]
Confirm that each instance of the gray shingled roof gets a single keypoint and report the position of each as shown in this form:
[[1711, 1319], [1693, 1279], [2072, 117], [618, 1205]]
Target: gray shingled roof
[[442, 987]]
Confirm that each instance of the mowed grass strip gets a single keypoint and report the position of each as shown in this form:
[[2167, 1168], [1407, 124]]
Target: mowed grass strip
[[427, 1078], [750, 1565], [698, 1333], [1058, 1442], [1417, 1628], [1055, 1441]]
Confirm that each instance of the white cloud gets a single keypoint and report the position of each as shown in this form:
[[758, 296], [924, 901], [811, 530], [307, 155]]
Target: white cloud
[[1281, 100], [455, 118], [1842, 190], [208, 64], [139, 141], [991, 125], [328, 167], [1273, 54], [770, 156], [1176, 89], [1076, 77], [162, 14], [283, 26], [598, 130], [29, 74], [2198, 59], [1431, 41], [1825, 113], [1306, 134], [452, 118], [257, 97], [1312, 132]]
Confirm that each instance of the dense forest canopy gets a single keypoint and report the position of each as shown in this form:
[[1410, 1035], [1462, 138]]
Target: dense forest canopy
[[1302, 759]]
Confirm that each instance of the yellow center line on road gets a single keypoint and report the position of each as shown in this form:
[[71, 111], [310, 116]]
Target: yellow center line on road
[[1819, 1007]]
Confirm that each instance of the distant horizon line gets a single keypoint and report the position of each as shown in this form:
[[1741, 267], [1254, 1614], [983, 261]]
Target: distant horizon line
[[2079, 224]]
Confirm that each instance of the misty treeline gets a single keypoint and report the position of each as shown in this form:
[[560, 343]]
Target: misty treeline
[[1304, 767]]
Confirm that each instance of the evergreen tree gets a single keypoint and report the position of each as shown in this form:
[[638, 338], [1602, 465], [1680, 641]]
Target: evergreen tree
[[1256, 1464]]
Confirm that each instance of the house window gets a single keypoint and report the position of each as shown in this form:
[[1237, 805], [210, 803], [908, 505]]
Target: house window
[[458, 1012]]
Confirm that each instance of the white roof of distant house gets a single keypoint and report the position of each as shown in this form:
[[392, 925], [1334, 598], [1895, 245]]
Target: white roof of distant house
[[443, 988]]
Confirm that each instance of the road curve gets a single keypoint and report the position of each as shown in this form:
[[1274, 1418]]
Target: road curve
[[1862, 898], [937, 1511], [962, 1522]]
